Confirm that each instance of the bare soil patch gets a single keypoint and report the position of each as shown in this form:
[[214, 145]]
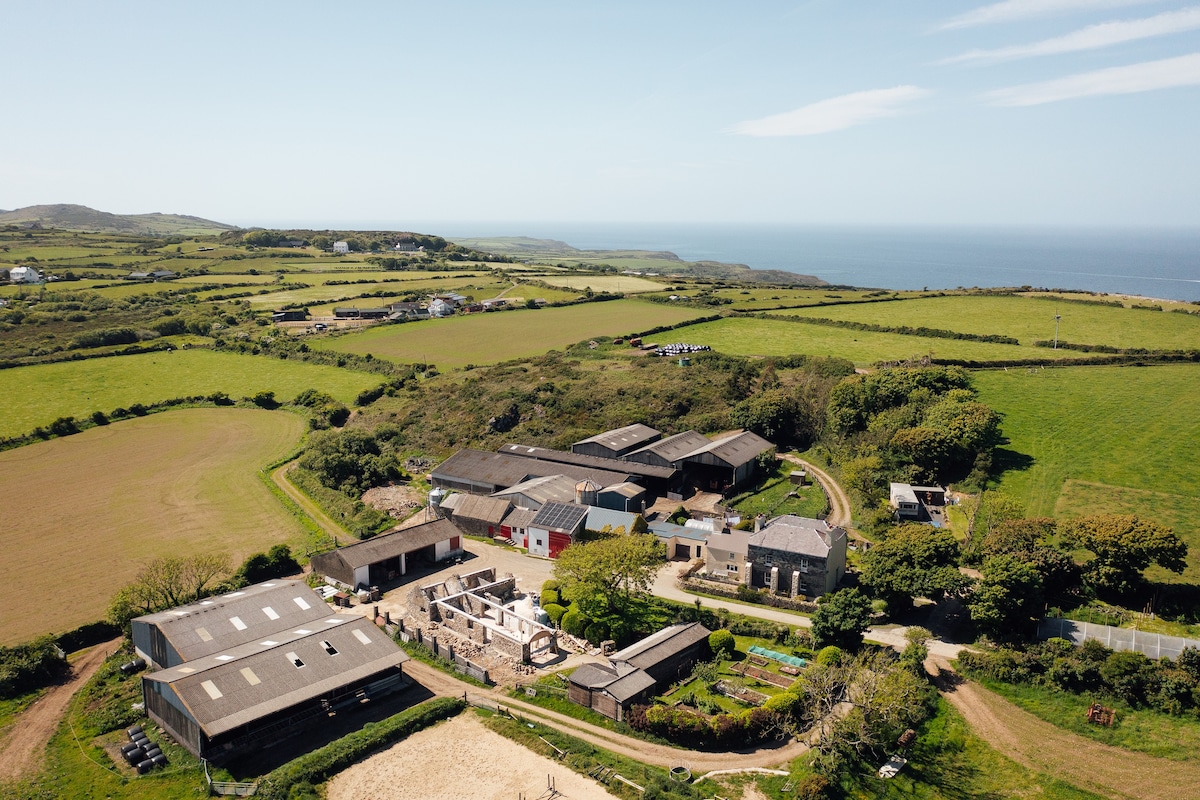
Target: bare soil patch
[[459, 758], [399, 502], [24, 744]]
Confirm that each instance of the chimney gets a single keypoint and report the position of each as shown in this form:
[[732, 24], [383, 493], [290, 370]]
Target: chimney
[[758, 522]]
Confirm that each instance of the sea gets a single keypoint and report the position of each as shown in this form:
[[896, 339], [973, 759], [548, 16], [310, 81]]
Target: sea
[[1159, 263]]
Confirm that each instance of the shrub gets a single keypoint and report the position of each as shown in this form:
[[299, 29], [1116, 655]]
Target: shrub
[[29, 666], [830, 656], [550, 586], [596, 632], [575, 622], [550, 597], [554, 611], [721, 643]]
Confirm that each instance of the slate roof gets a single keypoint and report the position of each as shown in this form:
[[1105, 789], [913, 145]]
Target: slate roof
[[623, 438], [801, 535], [736, 450], [218, 623], [472, 506], [661, 646], [246, 683], [520, 518], [621, 681]]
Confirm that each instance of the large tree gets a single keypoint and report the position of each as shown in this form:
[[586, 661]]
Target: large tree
[[913, 561], [1123, 546], [841, 619], [602, 577], [1009, 596], [168, 582]]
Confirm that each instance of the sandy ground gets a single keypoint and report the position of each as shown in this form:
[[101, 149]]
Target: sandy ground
[[459, 758], [21, 755]]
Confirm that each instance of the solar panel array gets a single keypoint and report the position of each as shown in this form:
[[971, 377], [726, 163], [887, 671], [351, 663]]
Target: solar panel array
[[559, 516]]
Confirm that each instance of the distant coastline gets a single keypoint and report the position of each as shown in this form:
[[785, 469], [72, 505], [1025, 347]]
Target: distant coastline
[[1155, 263]]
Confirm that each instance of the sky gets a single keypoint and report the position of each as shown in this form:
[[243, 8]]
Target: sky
[[1021, 112]]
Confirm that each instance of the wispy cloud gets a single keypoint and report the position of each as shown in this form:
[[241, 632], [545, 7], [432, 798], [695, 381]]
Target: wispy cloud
[[1093, 37], [1145, 77], [1013, 10], [834, 114]]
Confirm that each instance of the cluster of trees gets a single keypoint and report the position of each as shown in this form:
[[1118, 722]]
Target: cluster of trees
[[29, 666], [350, 461], [918, 425], [168, 582], [1172, 687]]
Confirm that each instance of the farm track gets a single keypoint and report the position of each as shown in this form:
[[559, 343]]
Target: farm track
[[839, 514], [1108, 771], [647, 752], [24, 745], [327, 524]]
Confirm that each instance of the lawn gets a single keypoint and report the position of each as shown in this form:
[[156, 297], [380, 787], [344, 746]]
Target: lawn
[[86, 511], [771, 496], [42, 393], [765, 337], [1027, 319], [490, 338], [1103, 439]]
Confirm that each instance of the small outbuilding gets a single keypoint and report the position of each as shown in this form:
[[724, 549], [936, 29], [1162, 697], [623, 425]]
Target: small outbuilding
[[390, 555]]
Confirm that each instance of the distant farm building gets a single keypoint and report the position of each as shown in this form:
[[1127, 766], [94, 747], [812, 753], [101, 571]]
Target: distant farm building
[[24, 275], [289, 315], [248, 668]]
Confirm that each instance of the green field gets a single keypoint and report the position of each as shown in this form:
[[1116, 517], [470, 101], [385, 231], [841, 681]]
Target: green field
[[86, 511], [42, 393], [1027, 319], [762, 337], [1104, 439], [480, 289], [490, 338], [621, 284]]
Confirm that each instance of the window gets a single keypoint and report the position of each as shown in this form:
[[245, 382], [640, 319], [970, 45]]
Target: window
[[329, 648], [731, 568], [538, 542], [295, 659]]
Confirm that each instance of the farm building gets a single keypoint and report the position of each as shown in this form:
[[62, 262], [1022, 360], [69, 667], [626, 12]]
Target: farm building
[[481, 472], [536, 492], [795, 555], [209, 626], [657, 480], [681, 541], [669, 452], [474, 514], [911, 502], [554, 527], [346, 312], [618, 442], [622, 497], [389, 555], [515, 527], [635, 673], [725, 555], [221, 705], [624, 521], [726, 462], [289, 315], [408, 310]]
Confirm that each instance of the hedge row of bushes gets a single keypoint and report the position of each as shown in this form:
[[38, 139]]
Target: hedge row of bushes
[[29, 666], [322, 764], [903, 330], [678, 724], [746, 594]]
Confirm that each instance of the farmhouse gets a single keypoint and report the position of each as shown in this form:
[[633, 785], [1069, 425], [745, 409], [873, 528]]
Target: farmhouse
[[24, 275], [618, 442], [209, 626], [634, 674], [725, 555], [796, 555], [222, 705], [341, 247], [389, 555]]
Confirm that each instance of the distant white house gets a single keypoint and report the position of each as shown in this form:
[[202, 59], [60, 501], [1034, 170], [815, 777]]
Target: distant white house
[[24, 275], [341, 247], [440, 308]]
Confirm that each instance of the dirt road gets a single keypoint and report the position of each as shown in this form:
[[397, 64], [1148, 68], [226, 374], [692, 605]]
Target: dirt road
[[660, 755], [24, 745], [310, 508], [839, 504], [1028, 740]]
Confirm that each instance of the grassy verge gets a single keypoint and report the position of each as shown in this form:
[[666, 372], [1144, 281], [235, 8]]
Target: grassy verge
[[1140, 730]]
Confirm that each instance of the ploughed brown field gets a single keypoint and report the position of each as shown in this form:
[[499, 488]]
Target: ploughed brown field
[[81, 514]]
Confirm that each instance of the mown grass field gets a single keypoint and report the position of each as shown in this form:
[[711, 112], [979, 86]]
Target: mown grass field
[[490, 338], [85, 511], [1104, 439], [42, 393], [761, 337], [481, 289], [627, 284], [1027, 319]]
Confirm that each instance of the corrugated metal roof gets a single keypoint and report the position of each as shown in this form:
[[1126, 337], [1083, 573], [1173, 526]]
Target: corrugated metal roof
[[736, 450], [225, 621], [503, 470], [629, 490], [593, 675], [622, 438], [590, 462], [801, 535], [673, 448], [257, 679], [520, 518], [548, 489], [660, 646], [390, 545], [669, 530], [597, 518], [486, 509]]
